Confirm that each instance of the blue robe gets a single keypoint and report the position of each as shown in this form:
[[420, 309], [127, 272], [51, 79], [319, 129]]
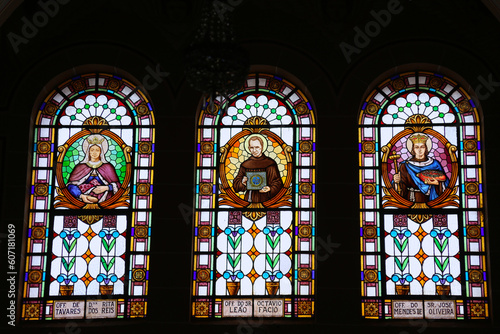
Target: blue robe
[[412, 170]]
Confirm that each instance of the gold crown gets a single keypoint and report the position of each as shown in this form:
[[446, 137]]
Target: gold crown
[[95, 140], [418, 138]]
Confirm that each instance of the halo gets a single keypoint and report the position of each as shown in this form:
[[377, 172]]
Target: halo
[[247, 142], [428, 142], [104, 144]]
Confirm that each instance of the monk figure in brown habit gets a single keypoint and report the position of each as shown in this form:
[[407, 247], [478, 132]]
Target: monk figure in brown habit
[[258, 162]]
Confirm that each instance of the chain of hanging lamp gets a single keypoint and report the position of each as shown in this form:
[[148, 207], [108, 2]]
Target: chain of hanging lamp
[[215, 64]]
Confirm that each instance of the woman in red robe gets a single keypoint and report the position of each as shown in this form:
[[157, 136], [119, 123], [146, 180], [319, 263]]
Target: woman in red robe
[[94, 180]]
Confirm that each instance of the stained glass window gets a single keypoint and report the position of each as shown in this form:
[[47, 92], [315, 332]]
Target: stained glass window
[[422, 205], [254, 222], [90, 202]]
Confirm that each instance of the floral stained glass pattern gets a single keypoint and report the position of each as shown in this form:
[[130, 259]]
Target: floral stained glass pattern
[[420, 196], [90, 209], [255, 204]]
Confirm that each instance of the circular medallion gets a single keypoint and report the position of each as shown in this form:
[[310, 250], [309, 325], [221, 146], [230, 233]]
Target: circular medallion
[[305, 231], [207, 147], [113, 84], [436, 82], [145, 147], [305, 146], [35, 276], [464, 106], [301, 109], [206, 189], [371, 108], [257, 181], [204, 231], [368, 147], [203, 275], [38, 232], [141, 231], [143, 189], [369, 232], [371, 276], [142, 109], [275, 84], [475, 276], [138, 275], [473, 232], [50, 109], [304, 275], [43, 147], [398, 84], [470, 145], [471, 188], [78, 85], [41, 189], [305, 188], [369, 189]]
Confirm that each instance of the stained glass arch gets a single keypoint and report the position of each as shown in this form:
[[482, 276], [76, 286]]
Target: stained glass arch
[[254, 222], [422, 205], [88, 234]]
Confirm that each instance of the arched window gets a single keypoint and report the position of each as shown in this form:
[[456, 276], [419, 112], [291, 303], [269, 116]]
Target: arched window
[[89, 217], [422, 204], [255, 203]]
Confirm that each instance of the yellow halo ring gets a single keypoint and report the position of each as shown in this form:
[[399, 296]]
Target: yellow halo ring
[[247, 142]]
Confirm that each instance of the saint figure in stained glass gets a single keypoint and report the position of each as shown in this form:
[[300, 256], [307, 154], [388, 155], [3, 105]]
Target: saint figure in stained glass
[[420, 194], [420, 178], [93, 153], [258, 176], [94, 179], [254, 216]]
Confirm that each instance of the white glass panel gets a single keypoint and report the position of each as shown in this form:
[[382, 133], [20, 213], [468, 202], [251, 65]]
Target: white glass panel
[[139, 260], [33, 292], [37, 247], [203, 260], [138, 290], [371, 291], [43, 162], [134, 98], [44, 133], [370, 260], [126, 90], [470, 160], [379, 97]]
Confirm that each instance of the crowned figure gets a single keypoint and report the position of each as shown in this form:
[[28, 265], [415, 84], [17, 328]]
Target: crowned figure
[[420, 178], [94, 179]]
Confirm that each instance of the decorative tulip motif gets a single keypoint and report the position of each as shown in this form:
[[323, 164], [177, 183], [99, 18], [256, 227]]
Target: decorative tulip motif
[[69, 239], [234, 235], [401, 238], [402, 278], [273, 235], [67, 278], [106, 236], [233, 275], [440, 237], [438, 278], [106, 278], [272, 275]]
